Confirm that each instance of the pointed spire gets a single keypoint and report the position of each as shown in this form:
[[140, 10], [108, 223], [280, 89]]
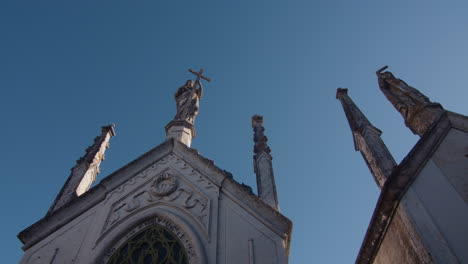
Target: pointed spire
[[417, 110], [84, 173], [367, 140], [262, 164]]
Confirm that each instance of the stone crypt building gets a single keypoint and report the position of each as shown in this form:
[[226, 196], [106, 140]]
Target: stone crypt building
[[170, 205], [422, 212]]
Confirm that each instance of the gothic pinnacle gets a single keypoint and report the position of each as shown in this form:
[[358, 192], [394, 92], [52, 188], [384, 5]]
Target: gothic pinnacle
[[84, 173], [367, 140], [416, 109], [263, 166]]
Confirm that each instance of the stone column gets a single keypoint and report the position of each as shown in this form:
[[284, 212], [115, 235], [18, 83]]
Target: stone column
[[367, 140], [180, 130], [262, 165], [84, 173]]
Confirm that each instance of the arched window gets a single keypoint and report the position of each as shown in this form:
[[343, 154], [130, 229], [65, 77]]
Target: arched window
[[154, 244]]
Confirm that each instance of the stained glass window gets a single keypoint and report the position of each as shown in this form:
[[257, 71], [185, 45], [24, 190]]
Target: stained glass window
[[153, 245]]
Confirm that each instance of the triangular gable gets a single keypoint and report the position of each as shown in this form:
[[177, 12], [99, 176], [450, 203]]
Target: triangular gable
[[203, 170]]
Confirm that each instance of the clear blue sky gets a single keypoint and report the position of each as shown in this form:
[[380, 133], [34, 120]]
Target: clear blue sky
[[69, 67]]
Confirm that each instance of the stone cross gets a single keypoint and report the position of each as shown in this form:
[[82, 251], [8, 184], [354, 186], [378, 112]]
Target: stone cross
[[200, 75]]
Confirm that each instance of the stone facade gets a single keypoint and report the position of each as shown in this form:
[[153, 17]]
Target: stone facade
[[216, 219], [181, 197], [423, 196]]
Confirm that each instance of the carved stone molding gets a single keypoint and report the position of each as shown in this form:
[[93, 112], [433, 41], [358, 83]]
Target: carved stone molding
[[163, 185], [157, 220], [164, 189], [159, 166]]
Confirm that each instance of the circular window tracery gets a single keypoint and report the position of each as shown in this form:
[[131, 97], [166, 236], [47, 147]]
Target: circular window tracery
[[154, 244]]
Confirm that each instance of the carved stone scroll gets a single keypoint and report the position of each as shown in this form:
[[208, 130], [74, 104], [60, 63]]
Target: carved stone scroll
[[164, 188]]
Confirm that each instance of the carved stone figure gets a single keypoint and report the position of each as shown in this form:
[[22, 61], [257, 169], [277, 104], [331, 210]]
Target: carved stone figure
[[188, 100], [417, 110], [405, 98], [187, 97]]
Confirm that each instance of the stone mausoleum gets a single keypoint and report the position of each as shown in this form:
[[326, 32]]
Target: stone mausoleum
[[170, 205], [422, 212]]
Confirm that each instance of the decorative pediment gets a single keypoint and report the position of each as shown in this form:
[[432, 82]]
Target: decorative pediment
[[169, 182]]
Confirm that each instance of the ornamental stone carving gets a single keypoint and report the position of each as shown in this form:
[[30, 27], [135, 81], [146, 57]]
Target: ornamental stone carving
[[165, 188], [164, 185], [185, 238], [417, 110]]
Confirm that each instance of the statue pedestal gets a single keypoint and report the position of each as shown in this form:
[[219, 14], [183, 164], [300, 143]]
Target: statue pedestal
[[180, 130]]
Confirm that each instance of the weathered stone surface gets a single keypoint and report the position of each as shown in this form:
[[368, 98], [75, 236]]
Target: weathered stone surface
[[172, 185], [420, 202], [187, 97], [188, 101], [367, 140], [263, 166], [452, 159], [447, 234], [180, 130], [84, 173], [401, 244], [417, 110]]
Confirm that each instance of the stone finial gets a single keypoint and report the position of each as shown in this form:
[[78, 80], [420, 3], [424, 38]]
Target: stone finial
[[417, 110], [84, 173], [263, 166], [92, 151], [367, 140], [260, 139], [356, 119], [340, 92]]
